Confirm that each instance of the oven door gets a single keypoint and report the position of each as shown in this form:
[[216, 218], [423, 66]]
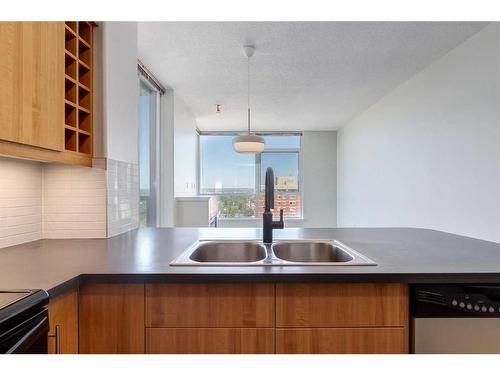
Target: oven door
[[456, 335], [29, 336]]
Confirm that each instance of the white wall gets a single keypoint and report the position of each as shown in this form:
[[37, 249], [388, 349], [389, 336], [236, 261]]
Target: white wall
[[428, 154], [319, 179], [185, 149], [319, 184], [120, 90]]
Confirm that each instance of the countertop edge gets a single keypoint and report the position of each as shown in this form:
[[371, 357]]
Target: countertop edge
[[156, 278]]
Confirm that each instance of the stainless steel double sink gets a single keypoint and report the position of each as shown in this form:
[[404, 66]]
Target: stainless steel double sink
[[279, 253]]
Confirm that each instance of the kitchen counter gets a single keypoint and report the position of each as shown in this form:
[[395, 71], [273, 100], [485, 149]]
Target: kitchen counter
[[403, 255]]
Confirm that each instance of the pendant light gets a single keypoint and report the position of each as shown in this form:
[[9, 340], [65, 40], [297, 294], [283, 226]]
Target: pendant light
[[248, 143]]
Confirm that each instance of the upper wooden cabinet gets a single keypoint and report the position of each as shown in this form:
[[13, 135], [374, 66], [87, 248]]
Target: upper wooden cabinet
[[32, 86], [46, 96]]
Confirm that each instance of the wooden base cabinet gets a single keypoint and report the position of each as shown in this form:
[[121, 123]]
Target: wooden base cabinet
[[341, 318], [210, 340], [341, 341], [243, 318], [210, 305], [111, 318], [63, 323], [210, 318]]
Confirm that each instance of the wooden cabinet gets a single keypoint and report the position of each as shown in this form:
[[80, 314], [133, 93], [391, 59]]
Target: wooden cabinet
[[210, 340], [63, 322], [210, 305], [32, 82], [341, 318], [78, 60], [46, 97], [111, 318], [341, 305], [210, 318], [392, 340], [243, 318]]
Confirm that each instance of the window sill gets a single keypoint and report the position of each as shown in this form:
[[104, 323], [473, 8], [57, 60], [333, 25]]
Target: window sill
[[255, 219]]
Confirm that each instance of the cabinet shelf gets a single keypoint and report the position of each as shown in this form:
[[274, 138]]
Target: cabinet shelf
[[85, 32], [84, 121], [70, 138], [84, 143], [72, 25], [70, 118], [70, 90]]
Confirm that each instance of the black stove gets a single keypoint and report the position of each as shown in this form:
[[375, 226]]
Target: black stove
[[8, 297], [24, 321]]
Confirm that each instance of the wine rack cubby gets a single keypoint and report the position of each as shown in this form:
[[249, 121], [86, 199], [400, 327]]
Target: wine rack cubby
[[78, 87]]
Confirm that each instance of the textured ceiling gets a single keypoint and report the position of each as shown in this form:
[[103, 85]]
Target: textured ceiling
[[305, 75]]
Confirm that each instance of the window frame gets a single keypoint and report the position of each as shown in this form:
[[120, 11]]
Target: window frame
[[152, 219], [258, 167]]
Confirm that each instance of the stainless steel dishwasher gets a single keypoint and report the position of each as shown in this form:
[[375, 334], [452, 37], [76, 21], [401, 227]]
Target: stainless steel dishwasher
[[455, 318]]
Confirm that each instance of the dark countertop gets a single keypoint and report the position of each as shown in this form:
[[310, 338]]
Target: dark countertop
[[403, 255]]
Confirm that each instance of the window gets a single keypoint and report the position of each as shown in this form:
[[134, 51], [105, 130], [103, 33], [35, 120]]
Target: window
[[148, 162], [239, 179]]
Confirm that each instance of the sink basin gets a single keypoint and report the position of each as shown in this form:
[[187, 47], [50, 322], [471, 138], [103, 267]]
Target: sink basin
[[238, 253], [222, 253], [311, 252], [231, 252]]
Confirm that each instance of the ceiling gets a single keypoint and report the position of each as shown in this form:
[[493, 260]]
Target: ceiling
[[304, 75]]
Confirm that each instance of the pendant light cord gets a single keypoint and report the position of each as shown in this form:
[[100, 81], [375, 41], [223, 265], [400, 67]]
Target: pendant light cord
[[248, 92]]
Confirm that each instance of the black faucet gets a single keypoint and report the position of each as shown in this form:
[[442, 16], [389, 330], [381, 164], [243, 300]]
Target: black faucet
[[268, 223]]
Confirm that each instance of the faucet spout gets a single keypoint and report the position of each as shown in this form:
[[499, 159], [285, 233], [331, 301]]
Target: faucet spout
[[267, 217]]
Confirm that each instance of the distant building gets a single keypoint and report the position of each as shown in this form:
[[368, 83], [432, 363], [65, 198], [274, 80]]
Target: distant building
[[289, 202], [286, 183]]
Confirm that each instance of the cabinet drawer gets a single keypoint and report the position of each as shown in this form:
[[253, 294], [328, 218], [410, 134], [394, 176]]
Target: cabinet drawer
[[209, 340], [341, 341], [341, 305], [210, 305]]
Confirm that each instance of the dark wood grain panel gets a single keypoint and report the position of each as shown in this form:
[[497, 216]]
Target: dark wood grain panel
[[210, 305], [341, 305], [341, 341], [112, 318], [63, 313], [210, 340]]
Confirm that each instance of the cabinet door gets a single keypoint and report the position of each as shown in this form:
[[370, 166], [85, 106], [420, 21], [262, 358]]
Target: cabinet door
[[63, 322], [32, 82], [111, 318], [210, 305], [341, 340], [210, 340], [341, 305]]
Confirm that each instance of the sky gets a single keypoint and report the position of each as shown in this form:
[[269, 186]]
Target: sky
[[222, 167]]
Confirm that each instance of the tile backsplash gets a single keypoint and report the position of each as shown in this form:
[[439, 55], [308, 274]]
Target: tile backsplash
[[40, 200], [20, 201], [123, 197], [74, 202]]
